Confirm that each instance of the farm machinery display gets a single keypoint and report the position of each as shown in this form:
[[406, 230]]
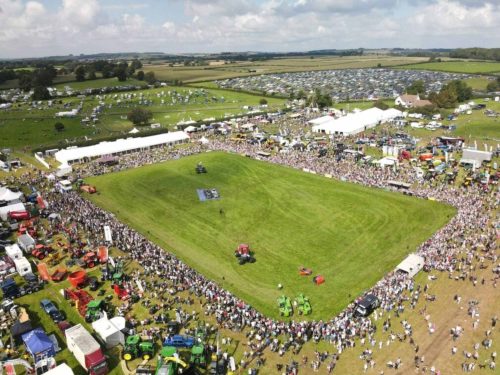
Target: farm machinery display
[[136, 347], [285, 306], [244, 254]]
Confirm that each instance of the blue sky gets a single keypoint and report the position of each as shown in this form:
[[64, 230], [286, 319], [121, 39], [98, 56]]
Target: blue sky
[[59, 27]]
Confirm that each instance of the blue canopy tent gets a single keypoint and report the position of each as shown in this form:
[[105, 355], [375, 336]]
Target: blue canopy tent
[[38, 344]]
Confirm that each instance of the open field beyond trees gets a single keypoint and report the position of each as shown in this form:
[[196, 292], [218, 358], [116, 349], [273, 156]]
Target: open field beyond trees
[[350, 234], [471, 67], [278, 65]]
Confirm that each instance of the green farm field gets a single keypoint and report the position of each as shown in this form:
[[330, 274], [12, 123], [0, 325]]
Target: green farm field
[[472, 67], [278, 65], [26, 127], [350, 234]]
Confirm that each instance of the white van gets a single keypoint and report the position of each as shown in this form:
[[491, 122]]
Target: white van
[[64, 186]]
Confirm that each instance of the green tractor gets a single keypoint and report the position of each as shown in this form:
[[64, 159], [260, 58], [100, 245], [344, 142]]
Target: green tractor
[[135, 347], [198, 356], [95, 310], [118, 273], [169, 362], [285, 306], [304, 305]]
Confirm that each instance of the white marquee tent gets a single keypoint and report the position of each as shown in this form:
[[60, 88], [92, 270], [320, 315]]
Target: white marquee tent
[[8, 195], [71, 155], [354, 123], [411, 265]]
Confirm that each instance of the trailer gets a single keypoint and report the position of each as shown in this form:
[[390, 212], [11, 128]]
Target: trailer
[[86, 350]]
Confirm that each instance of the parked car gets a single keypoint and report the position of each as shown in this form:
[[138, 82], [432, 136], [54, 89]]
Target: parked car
[[51, 310], [179, 341], [367, 305]]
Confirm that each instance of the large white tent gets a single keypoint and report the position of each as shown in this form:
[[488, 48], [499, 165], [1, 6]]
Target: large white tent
[[77, 154], [354, 123], [109, 332], [8, 195], [411, 265]]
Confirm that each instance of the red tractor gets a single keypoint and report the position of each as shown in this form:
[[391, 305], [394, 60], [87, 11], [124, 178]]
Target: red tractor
[[41, 251], [90, 259], [244, 254]]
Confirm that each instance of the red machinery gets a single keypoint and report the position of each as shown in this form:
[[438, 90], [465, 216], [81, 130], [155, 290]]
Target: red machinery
[[81, 298], [41, 251]]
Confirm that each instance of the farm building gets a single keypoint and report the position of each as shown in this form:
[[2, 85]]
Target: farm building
[[120, 146], [355, 123], [411, 101]]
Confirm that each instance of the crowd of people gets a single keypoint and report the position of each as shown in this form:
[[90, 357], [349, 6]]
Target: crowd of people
[[469, 236]]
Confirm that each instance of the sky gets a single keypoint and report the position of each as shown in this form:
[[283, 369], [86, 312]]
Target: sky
[[60, 27]]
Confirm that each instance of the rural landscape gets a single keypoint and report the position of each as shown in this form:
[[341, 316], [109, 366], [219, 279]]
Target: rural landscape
[[261, 195]]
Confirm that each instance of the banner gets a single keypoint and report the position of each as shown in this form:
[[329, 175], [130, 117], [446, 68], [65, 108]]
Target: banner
[[107, 234]]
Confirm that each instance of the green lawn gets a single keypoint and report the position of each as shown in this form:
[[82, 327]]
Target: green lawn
[[473, 67], [99, 83], [24, 126], [350, 234]]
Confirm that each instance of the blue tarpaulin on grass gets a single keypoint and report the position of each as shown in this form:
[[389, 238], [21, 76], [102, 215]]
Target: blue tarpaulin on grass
[[38, 344]]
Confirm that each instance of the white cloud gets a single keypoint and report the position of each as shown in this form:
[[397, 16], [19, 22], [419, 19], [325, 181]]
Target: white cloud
[[32, 28]]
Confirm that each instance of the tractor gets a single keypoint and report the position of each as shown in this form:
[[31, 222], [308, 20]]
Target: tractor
[[304, 306], [95, 310], [285, 306], [137, 346], [169, 362], [90, 259], [198, 356], [118, 273], [244, 254], [200, 168], [41, 251]]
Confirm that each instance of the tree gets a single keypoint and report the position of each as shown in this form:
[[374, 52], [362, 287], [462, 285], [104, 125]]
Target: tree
[[150, 77], [91, 74], [417, 87], [493, 86], [25, 82], [136, 64], [59, 126], [121, 74], [139, 116], [140, 75], [263, 101], [380, 104], [80, 73], [44, 76], [41, 93]]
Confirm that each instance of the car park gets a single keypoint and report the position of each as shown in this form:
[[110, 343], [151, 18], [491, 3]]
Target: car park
[[51, 310]]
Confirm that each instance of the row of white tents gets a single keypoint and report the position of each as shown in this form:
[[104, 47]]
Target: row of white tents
[[354, 123]]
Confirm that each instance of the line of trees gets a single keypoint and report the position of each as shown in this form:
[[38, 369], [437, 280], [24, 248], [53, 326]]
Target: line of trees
[[477, 53]]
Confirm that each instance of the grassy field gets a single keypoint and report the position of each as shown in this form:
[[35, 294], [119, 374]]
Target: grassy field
[[24, 126], [474, 127], [350, 234], [473, 67], [280, 65], [99, 83]]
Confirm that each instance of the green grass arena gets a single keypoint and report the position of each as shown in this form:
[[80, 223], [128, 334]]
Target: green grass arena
[[352, 235]]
